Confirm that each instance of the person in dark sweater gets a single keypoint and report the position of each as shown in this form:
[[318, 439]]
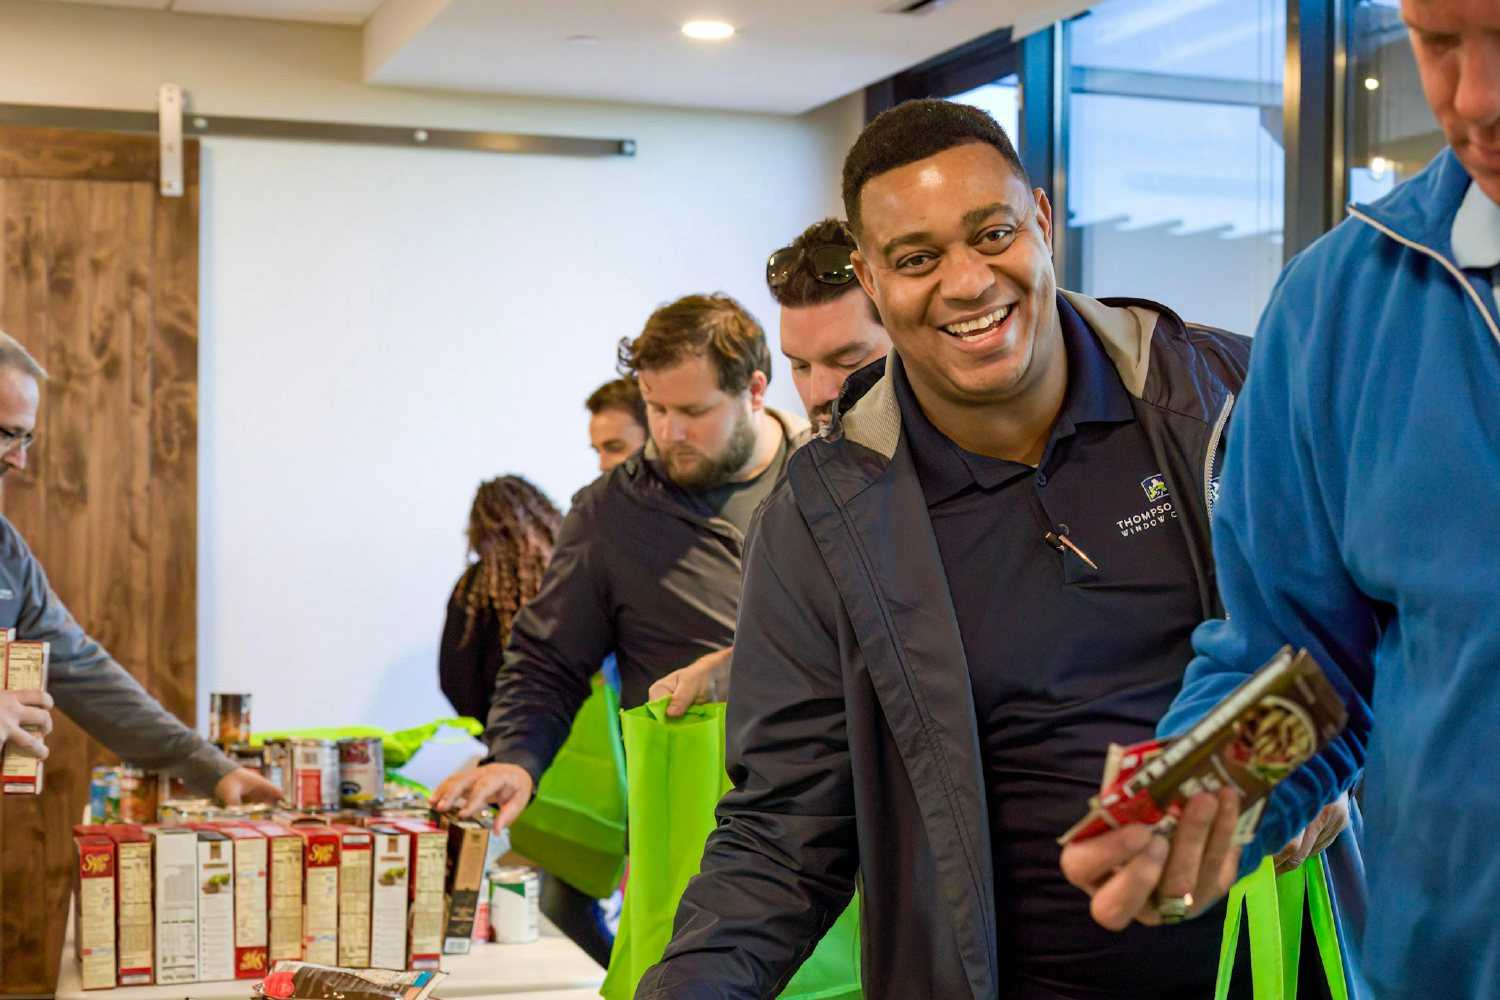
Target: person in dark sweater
[[512, 530]]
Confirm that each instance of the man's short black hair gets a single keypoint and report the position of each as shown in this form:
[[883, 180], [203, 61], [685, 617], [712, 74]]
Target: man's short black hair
[[802, 287], [915, 130]]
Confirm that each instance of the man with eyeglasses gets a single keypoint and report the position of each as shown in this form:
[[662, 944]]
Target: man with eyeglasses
[[83, 679], [985, 572], [829, 327]]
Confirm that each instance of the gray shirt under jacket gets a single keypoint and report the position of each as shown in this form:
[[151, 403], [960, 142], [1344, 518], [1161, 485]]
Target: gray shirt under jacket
[[90, 687]]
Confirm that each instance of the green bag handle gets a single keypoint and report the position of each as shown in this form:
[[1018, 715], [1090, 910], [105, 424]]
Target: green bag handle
[[1273, 908]]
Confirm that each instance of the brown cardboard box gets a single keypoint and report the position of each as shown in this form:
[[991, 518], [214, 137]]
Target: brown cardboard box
[[429, 862], [467, 843], [284, 882], [175, 880], [133, 923], [25, 670], [356, 860], [251, 871], [94, 912], [320, 894]]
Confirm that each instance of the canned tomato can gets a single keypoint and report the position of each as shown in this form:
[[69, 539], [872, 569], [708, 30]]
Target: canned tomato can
[[513, 904], [361, 771], [138, 795], [228, 718], [314, 774], [104, 795]]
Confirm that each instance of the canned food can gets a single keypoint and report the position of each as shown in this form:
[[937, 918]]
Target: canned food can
[[104, 795], [513, 904], [228, 718], [361, 771], [278, 769], [313, 781], [138, 795]]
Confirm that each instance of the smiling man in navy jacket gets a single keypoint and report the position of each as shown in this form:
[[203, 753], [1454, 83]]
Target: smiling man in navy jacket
[[985, 572]]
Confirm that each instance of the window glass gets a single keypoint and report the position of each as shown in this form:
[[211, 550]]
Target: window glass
[[1002, 99], [1176, 169], [1392, 133]]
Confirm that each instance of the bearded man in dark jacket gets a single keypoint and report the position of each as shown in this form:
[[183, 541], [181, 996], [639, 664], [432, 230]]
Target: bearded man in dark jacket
[[986, 572]]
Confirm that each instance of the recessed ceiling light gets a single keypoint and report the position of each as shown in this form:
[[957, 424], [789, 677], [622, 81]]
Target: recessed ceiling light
[[708, 31], [1371, 83]]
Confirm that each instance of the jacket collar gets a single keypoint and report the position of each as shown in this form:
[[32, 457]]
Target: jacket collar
[[1421, 209]]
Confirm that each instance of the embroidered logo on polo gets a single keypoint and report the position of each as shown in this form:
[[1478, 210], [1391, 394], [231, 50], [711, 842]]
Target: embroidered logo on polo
[[1155, 488]]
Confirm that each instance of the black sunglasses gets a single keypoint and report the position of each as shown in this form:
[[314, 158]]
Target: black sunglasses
[[830, 262]]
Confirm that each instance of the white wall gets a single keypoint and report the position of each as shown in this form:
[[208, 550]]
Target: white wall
[[381, 329]]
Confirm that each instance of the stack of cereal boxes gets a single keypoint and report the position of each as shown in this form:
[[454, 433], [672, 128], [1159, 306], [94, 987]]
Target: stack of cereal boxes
[[208, 901]]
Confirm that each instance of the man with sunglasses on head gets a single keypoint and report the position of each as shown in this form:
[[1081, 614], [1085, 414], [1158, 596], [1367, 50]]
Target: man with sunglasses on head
[[83, 680], [985, 572], [829, 327]]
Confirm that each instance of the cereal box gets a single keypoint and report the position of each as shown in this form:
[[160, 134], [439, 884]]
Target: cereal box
[[320, 894], [176, 882], [215, 906], [356, 860], [94, 912], [429, 861], [388, 897], [284, 884], [25, 670]]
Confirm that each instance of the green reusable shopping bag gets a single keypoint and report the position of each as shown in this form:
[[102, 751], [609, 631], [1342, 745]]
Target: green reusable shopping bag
[[574, 828], [676, 778], [1273, 907]]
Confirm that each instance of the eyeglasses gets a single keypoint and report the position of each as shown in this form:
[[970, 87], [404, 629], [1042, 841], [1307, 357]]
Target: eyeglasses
[[10, 441], [830, 263]]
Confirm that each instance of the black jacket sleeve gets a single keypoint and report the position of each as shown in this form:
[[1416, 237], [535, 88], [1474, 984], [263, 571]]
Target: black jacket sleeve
[[557, 642], [780, 867]]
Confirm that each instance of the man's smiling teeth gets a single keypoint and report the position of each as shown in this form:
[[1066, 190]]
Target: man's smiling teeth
[[971, 329]]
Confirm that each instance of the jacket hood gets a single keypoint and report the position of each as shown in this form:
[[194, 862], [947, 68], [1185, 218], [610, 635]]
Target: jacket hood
[[1129, 331]]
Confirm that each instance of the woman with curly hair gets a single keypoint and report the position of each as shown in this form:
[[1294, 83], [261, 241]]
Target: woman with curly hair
[[512, 530]]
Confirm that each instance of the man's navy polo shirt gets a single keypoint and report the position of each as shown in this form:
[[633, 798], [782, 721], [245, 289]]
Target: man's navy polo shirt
[[1064, 660]]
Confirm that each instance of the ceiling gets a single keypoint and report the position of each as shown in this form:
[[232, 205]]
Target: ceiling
[[786, 57]]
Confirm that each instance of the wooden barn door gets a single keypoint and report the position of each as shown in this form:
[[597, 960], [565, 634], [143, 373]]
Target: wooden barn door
[[100, 282]]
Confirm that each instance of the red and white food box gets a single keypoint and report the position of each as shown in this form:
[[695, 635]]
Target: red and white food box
[[429, 863], [94, 911], [132, 902], [388, 896], [175, 879], [251, 868], [356, 861], [284, 883], [25, 670], [215, 906], [320, 894]]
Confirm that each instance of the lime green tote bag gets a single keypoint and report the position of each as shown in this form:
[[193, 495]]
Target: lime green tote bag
[[1272, 907], [574, 829], [676, 778]]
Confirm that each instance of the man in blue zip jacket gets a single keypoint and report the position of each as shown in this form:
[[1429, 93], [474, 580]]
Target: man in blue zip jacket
[[1360, 517]]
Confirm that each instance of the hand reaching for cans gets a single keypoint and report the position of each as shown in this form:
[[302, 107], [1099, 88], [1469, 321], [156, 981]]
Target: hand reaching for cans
[[29, 709], [243, 786], [505, 786]]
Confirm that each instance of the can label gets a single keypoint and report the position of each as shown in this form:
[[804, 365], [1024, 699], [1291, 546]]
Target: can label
[[513, 905], [228, 718], [314, 774], [361, 771]]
